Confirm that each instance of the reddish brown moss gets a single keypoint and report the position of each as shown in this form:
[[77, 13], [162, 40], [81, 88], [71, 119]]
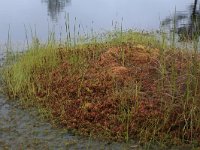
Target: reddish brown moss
[[100, 98]]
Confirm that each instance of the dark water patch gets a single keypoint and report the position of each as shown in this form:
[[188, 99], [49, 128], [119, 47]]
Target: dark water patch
[[185, 23], [55, 7]]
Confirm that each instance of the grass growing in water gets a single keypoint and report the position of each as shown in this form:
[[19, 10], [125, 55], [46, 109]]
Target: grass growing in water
[[130, 86]]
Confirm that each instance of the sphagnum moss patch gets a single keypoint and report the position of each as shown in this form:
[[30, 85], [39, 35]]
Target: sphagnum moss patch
[[128, 87]]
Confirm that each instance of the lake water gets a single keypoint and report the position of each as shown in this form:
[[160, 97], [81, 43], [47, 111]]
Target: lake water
[[23, 129], [22, 16]]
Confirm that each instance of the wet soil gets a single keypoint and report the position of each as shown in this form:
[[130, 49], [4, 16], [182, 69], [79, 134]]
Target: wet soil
[[24, 129]]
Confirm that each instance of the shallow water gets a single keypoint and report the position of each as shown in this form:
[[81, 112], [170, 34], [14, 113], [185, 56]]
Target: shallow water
[[23, 129], [25, 15]]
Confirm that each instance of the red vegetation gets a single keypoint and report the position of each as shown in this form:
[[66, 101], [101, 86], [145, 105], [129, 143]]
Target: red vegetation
[[109, 98]]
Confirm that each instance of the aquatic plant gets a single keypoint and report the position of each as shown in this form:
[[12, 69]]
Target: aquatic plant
[[128, 86]]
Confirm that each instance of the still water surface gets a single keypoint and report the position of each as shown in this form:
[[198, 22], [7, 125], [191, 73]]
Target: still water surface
[[23, 15], [22, 129]]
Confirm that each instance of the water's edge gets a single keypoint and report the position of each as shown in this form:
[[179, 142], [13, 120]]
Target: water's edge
[[22, 128]]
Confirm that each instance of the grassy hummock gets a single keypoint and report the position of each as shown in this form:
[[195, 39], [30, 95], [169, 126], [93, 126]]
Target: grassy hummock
[[129, 86]]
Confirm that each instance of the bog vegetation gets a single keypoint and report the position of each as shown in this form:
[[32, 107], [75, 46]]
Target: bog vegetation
[[127, 86]]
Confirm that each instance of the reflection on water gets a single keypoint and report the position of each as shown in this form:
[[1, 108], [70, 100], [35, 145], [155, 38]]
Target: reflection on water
[[186, 24], [55, 7], [95, 14]]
